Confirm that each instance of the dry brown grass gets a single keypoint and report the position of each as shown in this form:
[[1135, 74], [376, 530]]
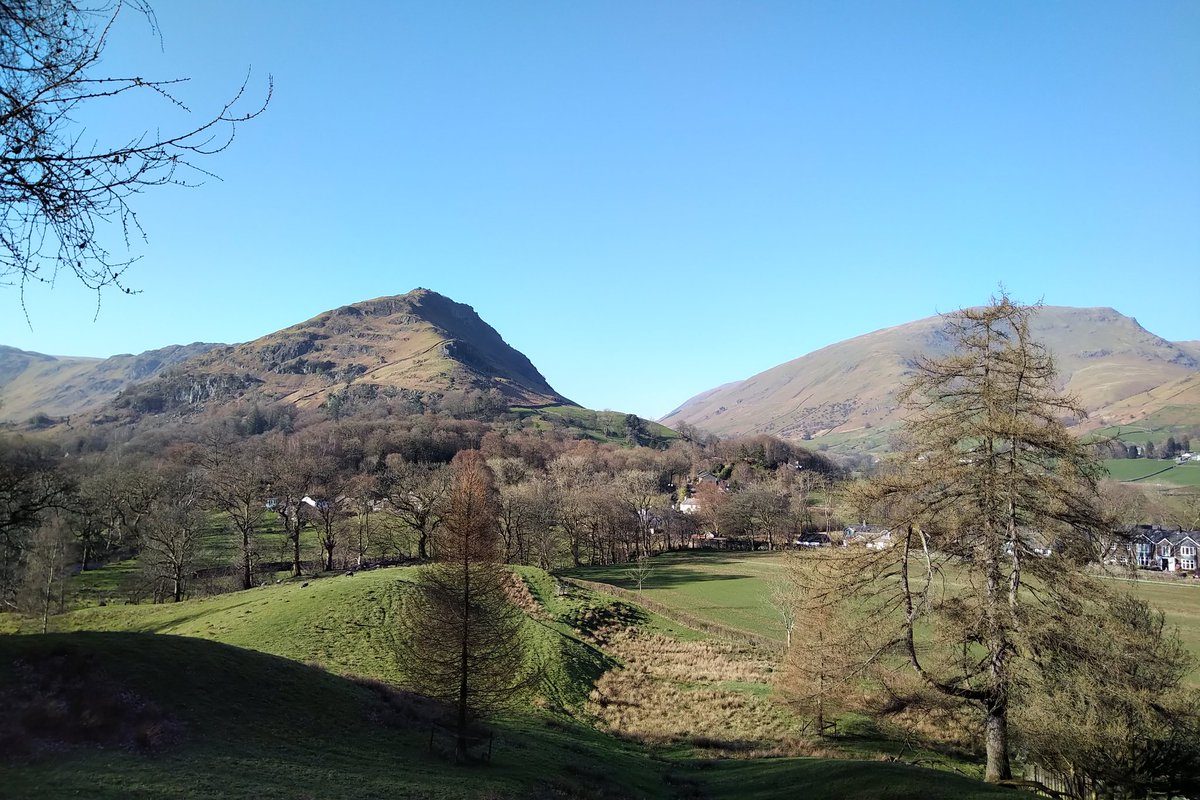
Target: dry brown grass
[[671, 692], [519, 595]]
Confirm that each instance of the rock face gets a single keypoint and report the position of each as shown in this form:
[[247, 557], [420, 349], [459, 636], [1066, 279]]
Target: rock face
[[848, 390], [420, 342]]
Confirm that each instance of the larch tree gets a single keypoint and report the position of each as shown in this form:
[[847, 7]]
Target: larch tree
[[993, 509], [462, 640]]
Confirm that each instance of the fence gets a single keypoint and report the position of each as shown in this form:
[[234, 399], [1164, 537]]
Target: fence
[[448, 738]]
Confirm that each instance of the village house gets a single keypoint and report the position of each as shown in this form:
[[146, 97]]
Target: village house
[[689, 506], [1166, 550], [872, 536]]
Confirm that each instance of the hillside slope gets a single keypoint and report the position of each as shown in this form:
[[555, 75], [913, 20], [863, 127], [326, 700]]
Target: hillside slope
[[849, 388], [35, 383]]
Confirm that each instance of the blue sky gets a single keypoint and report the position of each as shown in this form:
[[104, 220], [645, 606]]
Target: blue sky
[[650, 199]]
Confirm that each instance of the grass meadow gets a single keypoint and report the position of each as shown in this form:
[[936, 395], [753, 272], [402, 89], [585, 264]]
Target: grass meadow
[[734, 589], [294, 691]]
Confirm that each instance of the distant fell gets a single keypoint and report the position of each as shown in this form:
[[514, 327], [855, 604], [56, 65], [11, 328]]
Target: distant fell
[[55, 386], [845, 394]]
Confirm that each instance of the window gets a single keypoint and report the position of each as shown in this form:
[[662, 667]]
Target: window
[[1187, 550]]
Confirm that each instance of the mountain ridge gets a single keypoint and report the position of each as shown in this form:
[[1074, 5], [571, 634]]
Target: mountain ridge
[[847, 389]]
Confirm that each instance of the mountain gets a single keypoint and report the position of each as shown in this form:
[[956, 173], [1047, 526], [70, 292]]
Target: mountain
[[845, 394], [34, 383], [414, 344]]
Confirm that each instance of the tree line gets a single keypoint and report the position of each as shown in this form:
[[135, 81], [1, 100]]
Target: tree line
[[344, 493]]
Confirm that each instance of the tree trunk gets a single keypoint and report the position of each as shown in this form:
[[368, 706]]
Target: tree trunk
[[423, 545], [464, 665], [296, 549], [247, 577], [996, 742]]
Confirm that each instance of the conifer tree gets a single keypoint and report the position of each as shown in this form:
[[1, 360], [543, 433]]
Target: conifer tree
[[462, 640], [993, 512]]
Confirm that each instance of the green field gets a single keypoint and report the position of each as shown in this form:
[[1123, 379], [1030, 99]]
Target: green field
[[1179, 421], [1153, 470], [734, 590], [261, 688], [729, 589]]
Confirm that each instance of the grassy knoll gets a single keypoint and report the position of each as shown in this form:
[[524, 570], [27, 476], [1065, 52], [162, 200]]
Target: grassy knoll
[[241, 681], [340, 622], [1153, 470], [601, 426]]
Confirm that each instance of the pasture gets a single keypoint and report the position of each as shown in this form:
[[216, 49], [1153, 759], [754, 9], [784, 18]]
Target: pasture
[[1153, 470], [734, 589]]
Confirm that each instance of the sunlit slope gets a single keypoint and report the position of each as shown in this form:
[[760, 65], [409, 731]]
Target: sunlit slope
[[849, 390]]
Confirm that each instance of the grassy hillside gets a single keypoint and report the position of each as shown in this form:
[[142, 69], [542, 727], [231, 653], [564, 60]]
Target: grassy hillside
[[239, 705], [600, 426], [416, 343], [1170, 409], [248, 724]]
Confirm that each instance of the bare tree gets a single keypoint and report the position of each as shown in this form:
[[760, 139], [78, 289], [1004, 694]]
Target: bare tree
[[171, 539], [32, 483], [462, 639], [60, 188], [234, 482], [47, 567], [295, 466], [358, 530], [415, 492], [640, 570]]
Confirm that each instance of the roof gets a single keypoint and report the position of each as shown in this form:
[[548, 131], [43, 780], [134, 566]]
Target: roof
[[855, 530], [1154, 534]]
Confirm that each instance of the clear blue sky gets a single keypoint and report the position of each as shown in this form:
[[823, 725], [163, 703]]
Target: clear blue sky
[[649, 199]]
